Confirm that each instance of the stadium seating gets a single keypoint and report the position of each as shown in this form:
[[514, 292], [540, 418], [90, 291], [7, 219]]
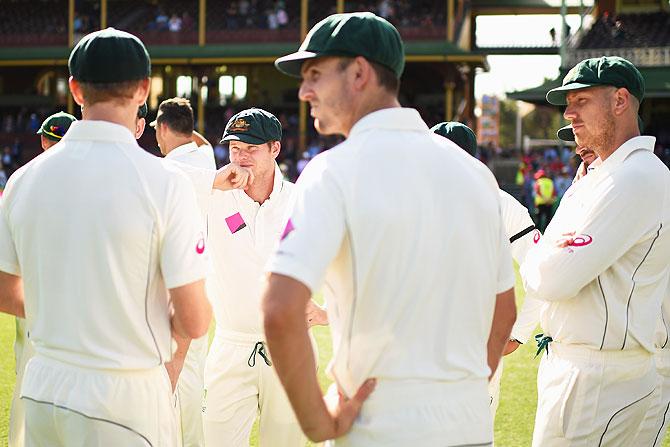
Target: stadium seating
[[628, 31], [26, 23]]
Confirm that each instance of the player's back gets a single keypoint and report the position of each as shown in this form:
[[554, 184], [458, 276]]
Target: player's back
[[88, 219], [416, 276]]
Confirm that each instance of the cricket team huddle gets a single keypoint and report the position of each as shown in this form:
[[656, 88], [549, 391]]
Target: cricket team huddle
[[114, 262]]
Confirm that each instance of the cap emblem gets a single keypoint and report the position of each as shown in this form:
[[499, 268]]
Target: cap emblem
[[240, 125]]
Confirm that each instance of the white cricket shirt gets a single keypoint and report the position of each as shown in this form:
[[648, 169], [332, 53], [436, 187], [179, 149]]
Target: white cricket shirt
[[520, 230], [199, 165], [243, 235], [605, 289], [662, 336], [99, 230], [404, 229], [194, 155]]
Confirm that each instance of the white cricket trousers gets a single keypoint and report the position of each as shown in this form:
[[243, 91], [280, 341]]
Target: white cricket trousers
[[592, 398], [69, 406], [655, 424], [494, 389], [23, 351], [190, 392], [239, 384], [422, 413]]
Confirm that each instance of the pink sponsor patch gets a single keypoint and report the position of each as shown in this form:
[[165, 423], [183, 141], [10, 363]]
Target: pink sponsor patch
[[235, 222], [200, 246], [288, 229], [581, 240]]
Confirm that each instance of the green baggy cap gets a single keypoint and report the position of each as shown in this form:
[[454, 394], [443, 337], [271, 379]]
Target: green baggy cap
[[108, 56], [349, 35], [607, 70], [252, 126], [459, 133], [55, 126]]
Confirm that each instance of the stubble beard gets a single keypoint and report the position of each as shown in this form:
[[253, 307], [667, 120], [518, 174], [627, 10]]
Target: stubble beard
[[600, 139]]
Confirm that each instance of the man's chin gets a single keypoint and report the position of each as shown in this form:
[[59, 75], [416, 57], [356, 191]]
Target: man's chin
[[318, 125]]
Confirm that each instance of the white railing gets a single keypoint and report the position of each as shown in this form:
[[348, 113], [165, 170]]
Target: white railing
[[641, 57]]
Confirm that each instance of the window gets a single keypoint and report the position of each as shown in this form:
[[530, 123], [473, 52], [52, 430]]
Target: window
[[240, 89], [232, 87], [155, 92], [184, 86]]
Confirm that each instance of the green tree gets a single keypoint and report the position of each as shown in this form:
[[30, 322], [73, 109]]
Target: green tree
[[543, 122]]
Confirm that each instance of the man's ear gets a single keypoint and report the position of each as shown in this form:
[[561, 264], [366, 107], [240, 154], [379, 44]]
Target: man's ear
[[362, 72], [75, 89], [622, 101], [275, 147]]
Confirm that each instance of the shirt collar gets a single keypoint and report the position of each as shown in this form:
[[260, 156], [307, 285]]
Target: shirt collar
[[643, 142], [99, 131], [183, 149], [395, 118]]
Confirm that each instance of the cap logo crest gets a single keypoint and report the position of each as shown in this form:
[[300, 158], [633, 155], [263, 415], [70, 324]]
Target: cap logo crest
[[240, 125]]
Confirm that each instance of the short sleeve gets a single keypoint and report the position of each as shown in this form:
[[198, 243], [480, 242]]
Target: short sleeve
[[506, 276], [9, 262], [182, 254], [315, 229]]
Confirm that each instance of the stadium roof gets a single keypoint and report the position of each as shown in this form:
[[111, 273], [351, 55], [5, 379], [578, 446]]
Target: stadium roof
[[657, 80], [527, 6], [416, 51]]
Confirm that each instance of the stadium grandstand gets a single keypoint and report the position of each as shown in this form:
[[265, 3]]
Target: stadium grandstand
[[220, 55], [638, 30]]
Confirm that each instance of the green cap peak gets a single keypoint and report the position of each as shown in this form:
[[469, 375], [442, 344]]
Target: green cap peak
[[459, 133], [349, 35], [252, 126], [55, 126], [607, 70]]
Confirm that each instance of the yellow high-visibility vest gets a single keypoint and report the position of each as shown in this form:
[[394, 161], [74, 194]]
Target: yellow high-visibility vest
[[544, 192]]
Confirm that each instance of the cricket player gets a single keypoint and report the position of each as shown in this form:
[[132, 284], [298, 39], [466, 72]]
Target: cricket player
[[245, 228], [141, 120], [51, 132], [383, 241], [176, 136], [602, 268], [522, 234], [104, 242], [53, 128], [177, 140]]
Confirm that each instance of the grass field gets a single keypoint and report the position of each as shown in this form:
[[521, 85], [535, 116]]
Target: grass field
[[514, 421]]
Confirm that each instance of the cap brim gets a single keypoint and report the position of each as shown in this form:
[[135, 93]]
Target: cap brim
[[249, 139], [556, 96], [566, 133], [39, 131], [291, 64]]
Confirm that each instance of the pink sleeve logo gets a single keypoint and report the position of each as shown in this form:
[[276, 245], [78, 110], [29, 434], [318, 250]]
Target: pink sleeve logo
[[200, 246], [287, 230], [235, 223], [581, 240], [536, 236]]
